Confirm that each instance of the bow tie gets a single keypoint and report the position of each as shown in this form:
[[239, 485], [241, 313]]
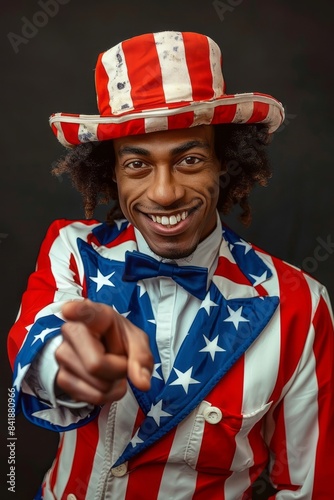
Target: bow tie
[[139, 266]]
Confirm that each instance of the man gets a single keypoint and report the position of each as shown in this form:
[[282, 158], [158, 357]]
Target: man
[[175, 359]]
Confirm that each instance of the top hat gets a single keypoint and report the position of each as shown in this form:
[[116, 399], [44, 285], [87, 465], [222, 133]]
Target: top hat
[[163, 81]]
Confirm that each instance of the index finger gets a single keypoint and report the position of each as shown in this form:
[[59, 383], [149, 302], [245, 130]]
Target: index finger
[[119, 335]]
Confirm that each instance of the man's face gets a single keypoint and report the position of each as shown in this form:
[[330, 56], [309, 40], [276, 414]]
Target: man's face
[[168, 186]]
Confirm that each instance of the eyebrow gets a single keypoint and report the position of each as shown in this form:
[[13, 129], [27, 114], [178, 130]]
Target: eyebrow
[[175, 151]]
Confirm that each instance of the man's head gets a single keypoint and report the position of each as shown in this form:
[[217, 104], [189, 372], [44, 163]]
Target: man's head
[[159, 94]]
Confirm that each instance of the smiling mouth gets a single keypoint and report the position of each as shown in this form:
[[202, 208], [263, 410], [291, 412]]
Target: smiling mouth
[[171, 220]]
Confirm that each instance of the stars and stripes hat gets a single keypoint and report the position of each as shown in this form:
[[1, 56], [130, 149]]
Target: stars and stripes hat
[[162, 81]]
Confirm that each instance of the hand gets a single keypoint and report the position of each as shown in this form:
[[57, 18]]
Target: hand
[[100, 349]]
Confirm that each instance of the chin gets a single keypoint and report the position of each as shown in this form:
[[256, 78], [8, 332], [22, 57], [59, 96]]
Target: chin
[[173, 252]]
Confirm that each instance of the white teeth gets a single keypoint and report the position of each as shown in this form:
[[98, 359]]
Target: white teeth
[[170, 221]]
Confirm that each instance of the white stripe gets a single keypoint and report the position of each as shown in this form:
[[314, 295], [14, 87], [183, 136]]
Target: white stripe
[[156, 124], [65, 462], [300, 414], [87, 132], [61, 136], [179, 477], [97, 465], [203, 116], [236, 484], [119, 86], [217, 77], [174, 70], [243, 112]]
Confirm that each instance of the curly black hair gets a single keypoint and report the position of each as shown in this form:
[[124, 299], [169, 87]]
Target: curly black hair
[[241, 150]]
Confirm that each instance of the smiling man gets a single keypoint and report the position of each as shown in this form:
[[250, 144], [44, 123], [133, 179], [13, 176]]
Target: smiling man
[[176, 359]]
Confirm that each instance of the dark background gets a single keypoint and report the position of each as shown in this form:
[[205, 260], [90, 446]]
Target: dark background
[[278, 47]]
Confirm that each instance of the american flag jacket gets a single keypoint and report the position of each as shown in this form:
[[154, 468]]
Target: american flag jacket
[[251, 387]]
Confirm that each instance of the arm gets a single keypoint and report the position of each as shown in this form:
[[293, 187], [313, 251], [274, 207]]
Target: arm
[[301, 427], [58, 279]]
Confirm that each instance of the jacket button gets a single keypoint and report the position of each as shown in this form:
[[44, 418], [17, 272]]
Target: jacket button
[[120, 470], [212, 415]]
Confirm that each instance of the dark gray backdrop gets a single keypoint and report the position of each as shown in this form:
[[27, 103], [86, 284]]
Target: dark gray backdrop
[[278, 47]]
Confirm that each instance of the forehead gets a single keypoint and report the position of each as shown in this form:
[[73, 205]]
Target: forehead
[[168, 139]]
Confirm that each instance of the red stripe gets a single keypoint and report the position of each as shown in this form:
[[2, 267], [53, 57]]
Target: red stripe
[[71, 132], [260, 112], [101, 83], [147, 469], [183, 120], [82, 464], [144, 72], [54, 470], [40, 291], [324, 355], [132, 127], [231, 271], [199, 66], [218, 443], [293, 319], [224, 113]]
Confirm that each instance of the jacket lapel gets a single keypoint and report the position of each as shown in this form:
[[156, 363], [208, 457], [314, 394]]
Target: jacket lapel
[[228, 321]]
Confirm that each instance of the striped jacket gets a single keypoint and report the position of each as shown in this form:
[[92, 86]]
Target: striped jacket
[[263, 397]]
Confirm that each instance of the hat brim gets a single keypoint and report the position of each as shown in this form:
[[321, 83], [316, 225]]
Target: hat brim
[[74, 129]]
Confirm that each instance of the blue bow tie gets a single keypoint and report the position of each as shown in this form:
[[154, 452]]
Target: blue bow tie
[[139, 266]]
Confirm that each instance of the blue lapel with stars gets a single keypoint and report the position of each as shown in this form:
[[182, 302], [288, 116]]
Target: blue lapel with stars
[[220, 333]]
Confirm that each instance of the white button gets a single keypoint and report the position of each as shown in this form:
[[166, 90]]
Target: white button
[[71, 497], [212, 415], [120, 470]]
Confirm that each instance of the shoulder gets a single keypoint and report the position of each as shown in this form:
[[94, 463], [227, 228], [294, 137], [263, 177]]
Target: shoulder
[[296, 288]]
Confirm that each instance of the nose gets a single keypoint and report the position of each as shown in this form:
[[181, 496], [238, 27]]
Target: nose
[[165, 187]]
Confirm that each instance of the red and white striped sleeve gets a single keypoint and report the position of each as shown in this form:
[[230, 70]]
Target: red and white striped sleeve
[[302, 423], [57, 279]]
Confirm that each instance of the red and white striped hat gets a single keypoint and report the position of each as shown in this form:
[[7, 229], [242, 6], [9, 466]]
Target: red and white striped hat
[[162, 81]]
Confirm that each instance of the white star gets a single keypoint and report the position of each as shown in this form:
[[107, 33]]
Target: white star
[[126, 314], [235, 317], [259, 279], [101, 280], [136, 439], [212, 347], [119, 223], [155, 372], [152, 321], [208, 303], [41, 336], [156, 412], [244, 244], [21, 371], [184, 379], [142, 289]]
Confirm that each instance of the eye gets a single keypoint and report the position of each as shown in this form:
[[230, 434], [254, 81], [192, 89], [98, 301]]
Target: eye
[[190, 160], [135, 165]]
